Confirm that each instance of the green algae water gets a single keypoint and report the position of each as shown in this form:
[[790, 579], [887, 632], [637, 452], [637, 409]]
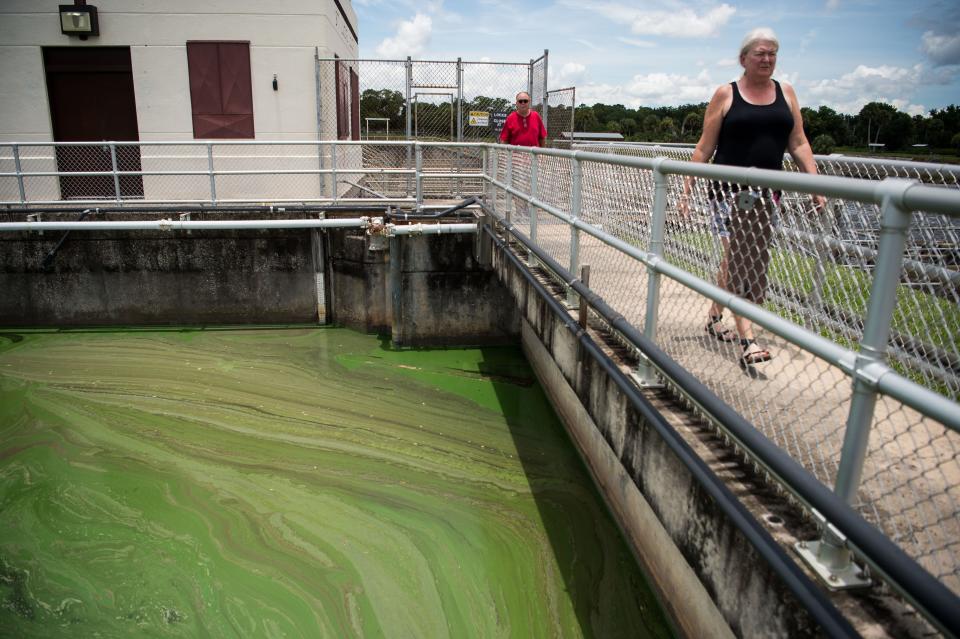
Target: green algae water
[[295, 482]]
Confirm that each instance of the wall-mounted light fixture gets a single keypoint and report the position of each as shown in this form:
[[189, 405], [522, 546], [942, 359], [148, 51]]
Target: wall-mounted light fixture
[[275, 82], [79, 20]]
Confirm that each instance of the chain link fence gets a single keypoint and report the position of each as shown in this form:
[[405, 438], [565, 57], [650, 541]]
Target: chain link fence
[[561, 105], [813, 268], [426, 100]]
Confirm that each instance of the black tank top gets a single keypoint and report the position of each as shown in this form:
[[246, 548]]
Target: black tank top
[[755, 135]]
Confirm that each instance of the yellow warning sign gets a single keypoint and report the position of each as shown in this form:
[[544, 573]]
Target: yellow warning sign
[[479, 118]]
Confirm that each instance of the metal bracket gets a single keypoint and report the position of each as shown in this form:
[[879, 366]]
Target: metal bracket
[[35, 217], [644, 375], [830, 558], [185, 217]]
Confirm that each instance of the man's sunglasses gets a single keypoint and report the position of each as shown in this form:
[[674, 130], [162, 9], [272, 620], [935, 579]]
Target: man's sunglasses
[[522, 101]]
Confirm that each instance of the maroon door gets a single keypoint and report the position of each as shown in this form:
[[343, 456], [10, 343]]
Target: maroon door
[[91, 99]]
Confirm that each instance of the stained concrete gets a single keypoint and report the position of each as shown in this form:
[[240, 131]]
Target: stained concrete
[[156, 277]]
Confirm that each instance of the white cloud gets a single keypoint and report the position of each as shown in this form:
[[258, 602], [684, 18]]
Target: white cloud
[[643, 44], [412, 38], [653, 89], [587, 44], [725, 62], [682, 24], [914, 109], [942, 49], [675, 22], [571, 73], [864, 84], [833, 5]]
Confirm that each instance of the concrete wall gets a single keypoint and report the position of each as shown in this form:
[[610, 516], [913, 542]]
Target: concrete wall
[[710, 577], [444, 296], [157, 277], [225, 277]]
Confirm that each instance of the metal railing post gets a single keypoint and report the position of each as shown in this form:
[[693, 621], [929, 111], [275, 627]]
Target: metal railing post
[[508, 198], [213, 179], [829, 555], [534, 189], [116, 178], [419, 176], [530, 79], [646, 374], [333, 172], [546, 101], [317, 84], [408, 81], [573, 114], [895, 222], [459, 100], [19, 170], [573, 300]]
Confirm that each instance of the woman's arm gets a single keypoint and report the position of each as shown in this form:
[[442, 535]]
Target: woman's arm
[[797, 144], [712, 120]]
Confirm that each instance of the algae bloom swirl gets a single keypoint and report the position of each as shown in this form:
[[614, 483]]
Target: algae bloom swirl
[[295, 482]]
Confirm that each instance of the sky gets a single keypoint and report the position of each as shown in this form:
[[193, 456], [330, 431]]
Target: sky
[[838, 53]]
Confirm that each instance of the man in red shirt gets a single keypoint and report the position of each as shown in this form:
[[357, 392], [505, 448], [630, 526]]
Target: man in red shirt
[[523, 127]]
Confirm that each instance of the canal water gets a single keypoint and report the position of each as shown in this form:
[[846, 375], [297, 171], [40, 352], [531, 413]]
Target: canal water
[[295, 482]]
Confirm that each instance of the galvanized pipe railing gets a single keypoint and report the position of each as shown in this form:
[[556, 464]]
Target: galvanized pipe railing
[[867, 368]]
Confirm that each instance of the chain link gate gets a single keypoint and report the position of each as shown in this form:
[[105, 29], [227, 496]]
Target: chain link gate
[[561, 105]]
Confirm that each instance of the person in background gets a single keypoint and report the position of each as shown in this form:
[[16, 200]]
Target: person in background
[[751, 123], [523, 127]]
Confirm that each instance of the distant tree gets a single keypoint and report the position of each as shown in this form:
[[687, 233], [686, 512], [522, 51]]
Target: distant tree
[[955, 142], [612, 126], [692, 123], [384, 104], [667, 130], [823, 144], [628, 126], [935, 132], [871, 120], [950, 118], [899, 132], [650, 125], [586, 119]]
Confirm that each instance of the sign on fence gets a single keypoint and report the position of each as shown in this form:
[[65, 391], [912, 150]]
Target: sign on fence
[[499, 118]]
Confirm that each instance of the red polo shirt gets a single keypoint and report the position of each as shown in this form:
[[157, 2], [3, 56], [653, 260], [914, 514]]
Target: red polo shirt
[[522, 131]]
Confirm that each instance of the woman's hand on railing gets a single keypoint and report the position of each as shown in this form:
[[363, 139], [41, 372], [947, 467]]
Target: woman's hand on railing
[[683, 205]]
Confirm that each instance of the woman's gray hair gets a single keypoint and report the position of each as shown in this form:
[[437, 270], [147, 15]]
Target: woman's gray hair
[[760, 34]]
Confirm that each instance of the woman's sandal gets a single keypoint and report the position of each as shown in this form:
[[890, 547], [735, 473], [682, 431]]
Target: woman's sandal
[[718, 330], [756, 356]]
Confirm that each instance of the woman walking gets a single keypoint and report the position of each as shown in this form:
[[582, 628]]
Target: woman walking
[[751, 123]]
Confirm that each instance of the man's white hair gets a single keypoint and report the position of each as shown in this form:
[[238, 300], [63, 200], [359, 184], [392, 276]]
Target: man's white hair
[[760, 34]]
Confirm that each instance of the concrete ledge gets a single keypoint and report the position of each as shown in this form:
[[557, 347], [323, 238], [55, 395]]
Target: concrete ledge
[[746, 594], [681, 593]]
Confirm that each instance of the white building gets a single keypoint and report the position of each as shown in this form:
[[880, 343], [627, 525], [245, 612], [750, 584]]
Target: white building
[[164, 70]]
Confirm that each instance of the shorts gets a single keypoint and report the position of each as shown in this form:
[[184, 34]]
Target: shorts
[[721, 210], [720, 217], [750, 237]]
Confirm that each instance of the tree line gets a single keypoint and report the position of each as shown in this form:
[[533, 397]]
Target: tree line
[[876, 123]]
